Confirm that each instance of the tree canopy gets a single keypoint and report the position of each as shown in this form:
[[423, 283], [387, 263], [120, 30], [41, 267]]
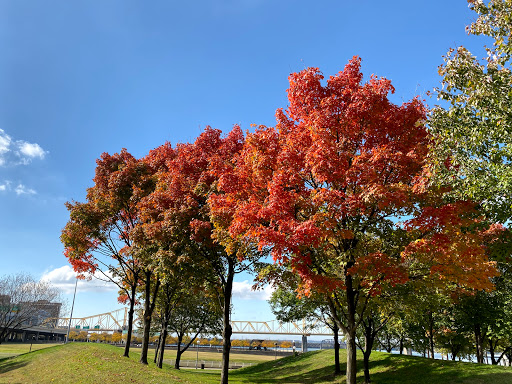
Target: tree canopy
[[473, 128]]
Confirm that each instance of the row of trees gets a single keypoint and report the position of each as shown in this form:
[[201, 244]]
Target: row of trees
[[359, 202], [118, 337], [104, 337], [462, 324], [145, 226]]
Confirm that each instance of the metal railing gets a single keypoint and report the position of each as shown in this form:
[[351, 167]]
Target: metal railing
[[207, 364]]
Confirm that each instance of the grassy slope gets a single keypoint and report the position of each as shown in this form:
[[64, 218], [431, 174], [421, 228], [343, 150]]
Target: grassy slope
[[14, 349], [96, 363]]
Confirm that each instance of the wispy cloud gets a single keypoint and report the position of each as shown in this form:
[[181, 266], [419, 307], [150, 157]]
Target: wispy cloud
[[15, 152], [64, 278], [20, 189], [5, 142], [23, 190], [243, 290]]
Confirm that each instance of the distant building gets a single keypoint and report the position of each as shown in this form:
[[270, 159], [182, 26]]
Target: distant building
[[32, 312], [42, 310]]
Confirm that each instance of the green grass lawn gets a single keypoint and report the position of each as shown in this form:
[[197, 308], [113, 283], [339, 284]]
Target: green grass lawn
[[14, 349], [87, 363], [190, 354]]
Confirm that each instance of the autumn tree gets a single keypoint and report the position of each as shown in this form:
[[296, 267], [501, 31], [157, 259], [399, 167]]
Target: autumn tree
[[95, 337], [473, 127], [177, 218], [97, 237], [285, 344], [325, 191], [117, 337], [151, 254], [73, 335], [237, 343]]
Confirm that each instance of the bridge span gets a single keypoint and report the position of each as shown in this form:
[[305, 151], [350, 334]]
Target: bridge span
[[118, 320]]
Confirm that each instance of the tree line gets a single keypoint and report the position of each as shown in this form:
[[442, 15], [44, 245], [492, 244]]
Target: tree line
[[372, 212]]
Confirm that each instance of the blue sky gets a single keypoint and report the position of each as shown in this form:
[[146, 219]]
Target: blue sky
[[78, 78]]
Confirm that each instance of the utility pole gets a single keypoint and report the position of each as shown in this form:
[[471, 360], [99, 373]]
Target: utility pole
[[72, 307]]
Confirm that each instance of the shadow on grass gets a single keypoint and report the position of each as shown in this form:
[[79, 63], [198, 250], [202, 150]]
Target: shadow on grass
[[293, 369], [419, 370], [9, 364]]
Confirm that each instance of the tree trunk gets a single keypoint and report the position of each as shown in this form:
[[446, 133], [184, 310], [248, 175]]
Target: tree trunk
[[509, 357], [479, 344], [504, 353], [130, 322], [351, 358], [350, 335], [388, 347], [149, 306], [147, 324], [431, 334], [366, 363], [227, 331], [178, 352], [369, 339], [491, 350], [401, 345], [160, 360], [158, 346], [455, 349], [337, 367]]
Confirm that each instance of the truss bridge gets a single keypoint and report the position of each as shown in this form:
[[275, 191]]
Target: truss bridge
[[275, 327], [118, 320], [103, 322]]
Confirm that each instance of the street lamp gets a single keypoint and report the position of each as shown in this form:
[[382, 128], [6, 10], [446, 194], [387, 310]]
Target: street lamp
[[71, 316], [197, 352]]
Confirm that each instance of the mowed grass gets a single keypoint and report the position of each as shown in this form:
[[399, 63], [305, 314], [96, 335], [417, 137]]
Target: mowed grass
[[14, 349], [191, 354], [87, 363]]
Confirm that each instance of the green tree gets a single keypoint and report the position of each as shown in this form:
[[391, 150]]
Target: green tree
[[474, 133], [198, 313], [288, 307]]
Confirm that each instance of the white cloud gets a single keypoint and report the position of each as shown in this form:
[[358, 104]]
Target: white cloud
[[64, 278], [22, 190], [5, 141], [28, 150], [243, 290], [17, 152]]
